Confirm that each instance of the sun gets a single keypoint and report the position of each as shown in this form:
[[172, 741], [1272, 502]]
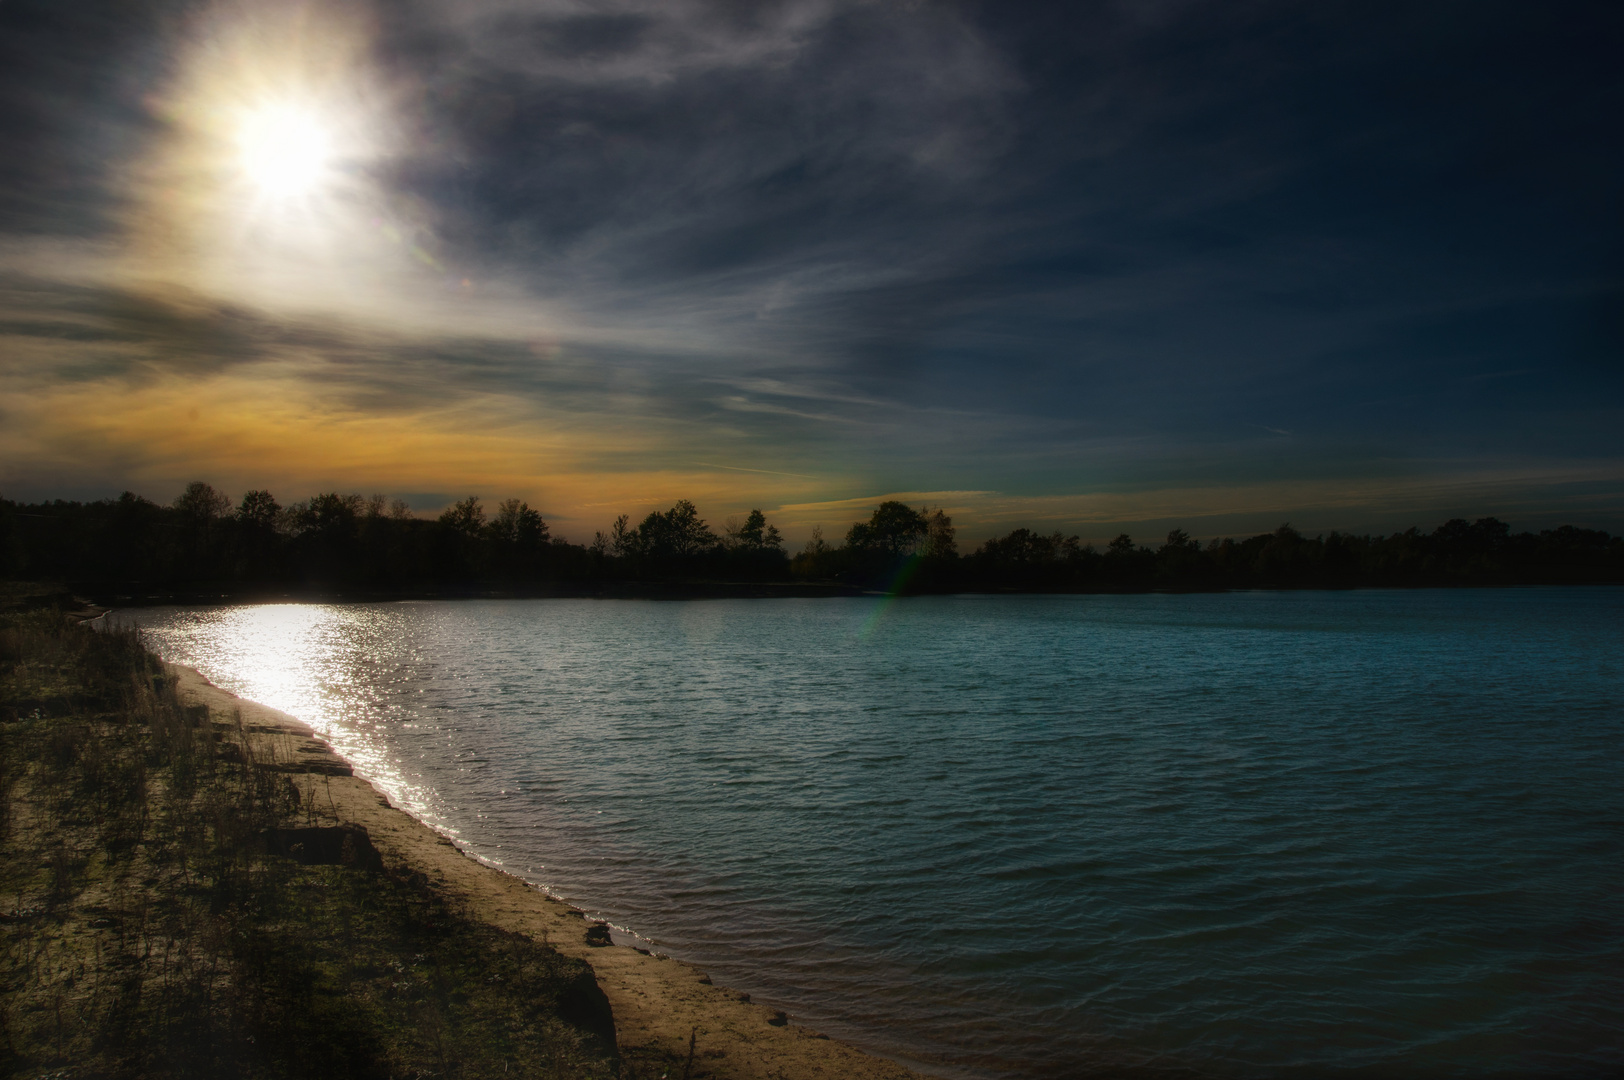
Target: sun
[[284, 150]]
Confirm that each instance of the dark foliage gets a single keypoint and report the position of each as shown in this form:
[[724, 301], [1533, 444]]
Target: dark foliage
[[336, 544], [1457, 553]]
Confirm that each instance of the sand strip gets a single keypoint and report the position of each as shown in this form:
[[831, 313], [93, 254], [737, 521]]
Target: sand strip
[[657, 1002]]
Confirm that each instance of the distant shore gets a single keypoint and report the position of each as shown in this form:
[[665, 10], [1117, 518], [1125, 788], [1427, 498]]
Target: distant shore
[[133, 551], [563, 590], [674, 591]]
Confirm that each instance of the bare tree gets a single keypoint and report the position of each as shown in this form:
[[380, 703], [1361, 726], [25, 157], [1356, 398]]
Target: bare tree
[[939, 541], [623, 538]]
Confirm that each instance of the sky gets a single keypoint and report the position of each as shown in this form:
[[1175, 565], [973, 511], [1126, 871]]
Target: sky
[[1099, 266]]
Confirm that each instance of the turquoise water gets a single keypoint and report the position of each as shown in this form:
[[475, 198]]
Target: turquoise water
[[1316, 834]]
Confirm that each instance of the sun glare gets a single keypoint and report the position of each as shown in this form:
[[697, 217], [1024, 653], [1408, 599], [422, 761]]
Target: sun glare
[[266, 182], [284, 150]]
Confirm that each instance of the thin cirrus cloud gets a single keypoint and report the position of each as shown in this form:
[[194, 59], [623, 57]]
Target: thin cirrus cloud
[[1048, 264]]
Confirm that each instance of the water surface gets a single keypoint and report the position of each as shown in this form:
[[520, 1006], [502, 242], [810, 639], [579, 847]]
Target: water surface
[[1371, 833]]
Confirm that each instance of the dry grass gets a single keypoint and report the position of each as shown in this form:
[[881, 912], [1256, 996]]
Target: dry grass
[[147, 929]]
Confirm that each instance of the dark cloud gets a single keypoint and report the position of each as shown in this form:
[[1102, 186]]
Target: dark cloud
[[73, 79]]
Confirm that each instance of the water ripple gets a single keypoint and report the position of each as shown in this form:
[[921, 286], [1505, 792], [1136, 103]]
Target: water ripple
[[1248, 835]]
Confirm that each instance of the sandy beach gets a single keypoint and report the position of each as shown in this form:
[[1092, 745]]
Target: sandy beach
[[659, 1003]]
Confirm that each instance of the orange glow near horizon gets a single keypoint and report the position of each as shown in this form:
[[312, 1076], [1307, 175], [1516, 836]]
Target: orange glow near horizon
[[274, 429], [239, 432]]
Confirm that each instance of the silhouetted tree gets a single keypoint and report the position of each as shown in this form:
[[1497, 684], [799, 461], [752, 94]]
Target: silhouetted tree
[[678, 533], [894, 529], [623, 538], [257, 545], [1287, 560], [1128, 566], [338, 541], [200, 502], [329, 513], [1339, 566], [259, 510], [884, 551], [199, 507], [465, 516], [1026, 561], [139, 553], [752, 549], [1181, 564], [13, 554], [326, 538], [459, 541], [815, 559], [755, 534], [515, 523], [940, 543], [519, 537]]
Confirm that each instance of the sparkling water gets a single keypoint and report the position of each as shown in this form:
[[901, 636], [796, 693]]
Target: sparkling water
[[1258, 834]]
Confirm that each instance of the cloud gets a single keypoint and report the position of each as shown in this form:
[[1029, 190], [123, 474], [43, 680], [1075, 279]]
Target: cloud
[[1029, 249]]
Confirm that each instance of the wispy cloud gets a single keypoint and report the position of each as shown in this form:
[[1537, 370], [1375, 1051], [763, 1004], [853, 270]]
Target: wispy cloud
[[861, 247], [760, 472]]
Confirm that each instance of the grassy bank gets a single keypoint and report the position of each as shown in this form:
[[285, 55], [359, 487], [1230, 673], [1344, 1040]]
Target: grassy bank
[[178, 899]]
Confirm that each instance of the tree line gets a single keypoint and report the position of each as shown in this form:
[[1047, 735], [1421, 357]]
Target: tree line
[[347, 543]]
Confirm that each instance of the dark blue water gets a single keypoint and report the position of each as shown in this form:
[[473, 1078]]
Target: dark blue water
[[1372, 833]]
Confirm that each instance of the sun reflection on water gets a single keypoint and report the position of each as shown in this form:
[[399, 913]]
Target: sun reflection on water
[[319, 663]]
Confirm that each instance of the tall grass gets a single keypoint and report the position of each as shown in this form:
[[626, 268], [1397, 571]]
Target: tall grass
[[148, 928]]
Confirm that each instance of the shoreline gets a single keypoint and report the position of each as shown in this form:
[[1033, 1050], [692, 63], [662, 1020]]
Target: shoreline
[[610, 590], [658, 1003], [110, 600]]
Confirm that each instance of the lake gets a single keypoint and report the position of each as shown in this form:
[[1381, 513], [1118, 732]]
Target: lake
[[1374, 833]]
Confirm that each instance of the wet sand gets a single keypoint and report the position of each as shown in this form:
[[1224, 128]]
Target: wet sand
[[658, 1002]]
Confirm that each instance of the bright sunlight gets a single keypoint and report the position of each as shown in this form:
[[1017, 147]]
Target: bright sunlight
[[284, 150]]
